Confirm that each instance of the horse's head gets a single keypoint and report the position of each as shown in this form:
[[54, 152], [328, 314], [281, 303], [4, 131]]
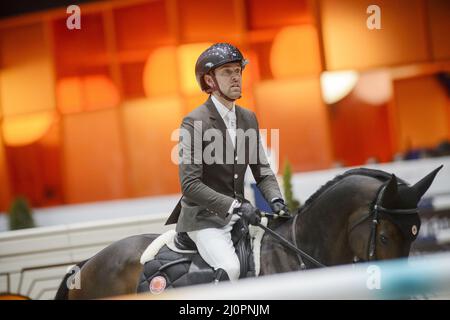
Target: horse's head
[[391, 223]]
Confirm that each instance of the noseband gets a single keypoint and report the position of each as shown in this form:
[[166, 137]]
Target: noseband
[[375, 213]]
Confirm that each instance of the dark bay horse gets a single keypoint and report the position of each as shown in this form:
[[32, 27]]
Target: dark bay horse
[[363, 214]]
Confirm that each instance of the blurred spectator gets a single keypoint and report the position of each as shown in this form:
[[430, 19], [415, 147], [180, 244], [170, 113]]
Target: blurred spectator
[[443, 149], [372, 160]]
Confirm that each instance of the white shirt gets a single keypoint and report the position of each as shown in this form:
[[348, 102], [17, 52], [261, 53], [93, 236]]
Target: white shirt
[[228, 116]]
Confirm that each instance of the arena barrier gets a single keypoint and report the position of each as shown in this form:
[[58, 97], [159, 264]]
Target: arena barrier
[[417, 278], [33, 262]]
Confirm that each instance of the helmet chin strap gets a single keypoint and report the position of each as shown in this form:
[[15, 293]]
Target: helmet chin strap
[[223, 95]]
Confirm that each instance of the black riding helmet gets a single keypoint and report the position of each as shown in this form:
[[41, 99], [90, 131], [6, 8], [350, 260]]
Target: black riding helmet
[[213, 57]]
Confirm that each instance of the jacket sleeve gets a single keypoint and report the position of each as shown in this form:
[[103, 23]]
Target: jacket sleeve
[[191, 170], [265, 178]]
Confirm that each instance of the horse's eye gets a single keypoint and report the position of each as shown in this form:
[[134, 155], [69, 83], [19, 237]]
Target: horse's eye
[[383, 239]]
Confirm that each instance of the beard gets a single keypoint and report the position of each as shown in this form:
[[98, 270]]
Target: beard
[[234, 92]]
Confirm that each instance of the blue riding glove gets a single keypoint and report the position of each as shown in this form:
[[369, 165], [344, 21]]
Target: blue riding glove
[[279, 207]]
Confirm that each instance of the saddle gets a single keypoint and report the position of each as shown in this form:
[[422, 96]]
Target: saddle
[[172, 260]]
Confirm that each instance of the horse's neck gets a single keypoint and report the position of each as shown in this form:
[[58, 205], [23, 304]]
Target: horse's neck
[[321, 228], [311, 237], [323, 237]]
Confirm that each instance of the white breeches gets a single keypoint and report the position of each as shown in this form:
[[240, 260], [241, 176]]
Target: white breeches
[[216, 248]]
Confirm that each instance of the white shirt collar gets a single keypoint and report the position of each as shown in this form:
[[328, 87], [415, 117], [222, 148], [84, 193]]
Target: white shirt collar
[[223, 111]]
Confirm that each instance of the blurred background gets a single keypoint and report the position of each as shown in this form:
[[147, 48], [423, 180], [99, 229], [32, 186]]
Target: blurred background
[[87, 115]]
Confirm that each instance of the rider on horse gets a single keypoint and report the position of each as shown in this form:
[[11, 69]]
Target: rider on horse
[[213, 192]]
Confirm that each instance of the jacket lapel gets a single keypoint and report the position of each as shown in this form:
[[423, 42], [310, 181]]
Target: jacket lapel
[[240, 124]]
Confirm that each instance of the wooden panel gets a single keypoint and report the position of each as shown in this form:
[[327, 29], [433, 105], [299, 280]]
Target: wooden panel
[[142, 26], [214, 21], [4, 178], [360, 132], [132, 80], [438, 17], [269, 14], [422, 112], [35, 169], [26, 78], [149, 124], [349, 44], [93, 157], [295, 107], [262, 51], [78, 51]]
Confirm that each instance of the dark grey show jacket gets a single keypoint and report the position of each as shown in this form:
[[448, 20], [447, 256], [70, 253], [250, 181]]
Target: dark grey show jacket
[[209, 189]]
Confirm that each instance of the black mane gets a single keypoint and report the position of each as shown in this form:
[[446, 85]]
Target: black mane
[[373, 173]]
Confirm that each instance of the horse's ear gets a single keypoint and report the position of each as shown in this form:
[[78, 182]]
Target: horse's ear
[[422, 186], [390, 193], [392, 185]]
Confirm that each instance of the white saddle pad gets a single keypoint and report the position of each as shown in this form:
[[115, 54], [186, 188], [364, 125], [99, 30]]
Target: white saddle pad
[[167, 238]]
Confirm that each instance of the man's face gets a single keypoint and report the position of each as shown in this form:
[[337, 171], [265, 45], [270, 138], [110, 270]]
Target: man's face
[[229, 79]]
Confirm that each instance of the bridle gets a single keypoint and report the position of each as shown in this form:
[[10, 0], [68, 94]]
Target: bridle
[[216, 86], [376, 212]]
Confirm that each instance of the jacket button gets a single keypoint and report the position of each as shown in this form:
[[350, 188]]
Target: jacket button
[[236, 176]]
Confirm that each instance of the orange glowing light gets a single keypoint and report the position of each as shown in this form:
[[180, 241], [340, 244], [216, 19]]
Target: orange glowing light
[[336, 85], [295, 52], [25, 129], [75, 94], [69, 94], [160, 72], [187, 57], [100, 92], [374, 87], [27, 81]]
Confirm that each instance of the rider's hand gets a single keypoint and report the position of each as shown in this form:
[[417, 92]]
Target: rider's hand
[[279, 207], [248, 213]]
